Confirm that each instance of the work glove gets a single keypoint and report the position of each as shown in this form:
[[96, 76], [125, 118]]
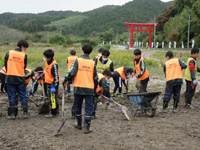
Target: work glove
[[127, 77], [111, 100], [194, 82], [27, 93], [53, 90], [133, 74]]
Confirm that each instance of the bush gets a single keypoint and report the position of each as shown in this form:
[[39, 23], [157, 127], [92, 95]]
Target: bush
[[57, 39]]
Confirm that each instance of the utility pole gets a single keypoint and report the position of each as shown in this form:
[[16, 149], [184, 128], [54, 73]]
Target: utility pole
[[188, 32], [60, 31], [154, 32]]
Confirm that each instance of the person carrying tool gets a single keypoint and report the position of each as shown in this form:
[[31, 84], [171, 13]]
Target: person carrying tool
[[70, 61], [84, 73], [15, 64], [37, 79], [119, 77], [52, 79], [174, 79], [191, 77], [3, 74], [103, 62], [102, 85], [141, 72], [99, 54]]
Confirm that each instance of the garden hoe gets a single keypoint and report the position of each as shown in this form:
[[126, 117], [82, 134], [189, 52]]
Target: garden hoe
[[124, 108], [63, 119]]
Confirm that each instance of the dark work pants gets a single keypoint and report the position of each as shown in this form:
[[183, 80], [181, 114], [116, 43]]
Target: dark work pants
[[172, 90], [13, 89], [53, 110], [3, 84], [144, 86], [118, 82], [88, 104], [68, 86], [189, 93]]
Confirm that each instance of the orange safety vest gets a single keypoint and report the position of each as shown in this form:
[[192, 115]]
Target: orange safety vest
[[138, 70], [48, 76], [70, 61], [27, 80], [4, 70], [173, 69], [39, 81], [85, 75], [99, 88], [121, 72], [15, 63]]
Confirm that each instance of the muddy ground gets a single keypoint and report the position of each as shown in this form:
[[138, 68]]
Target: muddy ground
[[111, 130]]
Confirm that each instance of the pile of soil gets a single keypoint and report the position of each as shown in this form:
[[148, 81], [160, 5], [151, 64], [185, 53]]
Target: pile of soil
[[111, 130]]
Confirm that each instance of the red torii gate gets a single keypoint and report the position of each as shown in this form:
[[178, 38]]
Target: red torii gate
[[140, 25]]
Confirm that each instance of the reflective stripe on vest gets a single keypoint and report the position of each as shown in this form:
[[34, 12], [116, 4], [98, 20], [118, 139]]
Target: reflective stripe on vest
[[102, 67], [99, 88], [48, 76], [138, 70], [187, 70], [85, 75], [173, 70], [70, 61], [27, 80], [39, 81], [121, 72], [4, 70], [15, 64]]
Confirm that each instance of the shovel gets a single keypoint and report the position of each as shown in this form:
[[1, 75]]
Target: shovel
[[124, 108], [63, 119]]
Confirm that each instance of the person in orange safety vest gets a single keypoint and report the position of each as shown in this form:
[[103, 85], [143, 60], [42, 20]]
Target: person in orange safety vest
[[174, 79]]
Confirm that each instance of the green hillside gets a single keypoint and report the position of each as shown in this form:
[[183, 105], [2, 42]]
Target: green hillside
[[68, 22], [103, 9], [173, 22], [138, 11]]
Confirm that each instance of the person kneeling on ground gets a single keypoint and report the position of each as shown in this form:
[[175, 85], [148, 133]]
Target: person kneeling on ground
[[37, 79], [105, 86], [174, 79], [119, 76]]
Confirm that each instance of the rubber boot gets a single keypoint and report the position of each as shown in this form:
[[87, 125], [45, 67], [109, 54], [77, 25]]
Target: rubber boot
[[78, 123], [165, 106], [25, 112], [107, 104], [93, 115], [87, 126], [175, 110], [188, 103], [73, 115], [12, 113]]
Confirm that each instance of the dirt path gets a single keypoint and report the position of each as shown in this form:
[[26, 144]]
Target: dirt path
[[111, 130]]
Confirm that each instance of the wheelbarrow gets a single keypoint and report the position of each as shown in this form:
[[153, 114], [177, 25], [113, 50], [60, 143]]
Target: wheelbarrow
[[143, 101]]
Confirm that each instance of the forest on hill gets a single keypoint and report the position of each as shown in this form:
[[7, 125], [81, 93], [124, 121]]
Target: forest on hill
[[173, 22], [94, 22]]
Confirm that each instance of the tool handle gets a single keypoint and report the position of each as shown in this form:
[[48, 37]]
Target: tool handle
[[43, 90], [63, 101], [108, 99], [33, 101]]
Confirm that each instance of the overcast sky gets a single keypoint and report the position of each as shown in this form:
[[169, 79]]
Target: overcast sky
[[37, 6]]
